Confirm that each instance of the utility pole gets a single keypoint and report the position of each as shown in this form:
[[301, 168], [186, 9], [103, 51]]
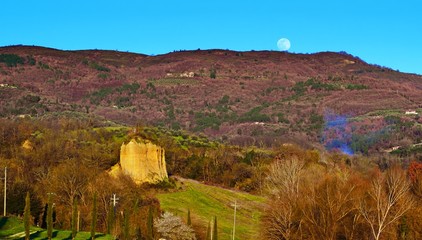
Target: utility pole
[[114, 200], [77, 225], [5, 191], [234, 218]]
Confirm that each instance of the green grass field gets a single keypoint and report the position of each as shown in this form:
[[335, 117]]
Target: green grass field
[[13, 228], [205, 202]]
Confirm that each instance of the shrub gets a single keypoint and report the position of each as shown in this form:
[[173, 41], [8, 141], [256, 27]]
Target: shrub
[[356, 86], [123, 102], [254, 115], [98, 67], [31, 61], [11, 60], [103, 75], [132, 88], [99, 95], [213, 73], [172, 227], [205, 120], [43, 65]]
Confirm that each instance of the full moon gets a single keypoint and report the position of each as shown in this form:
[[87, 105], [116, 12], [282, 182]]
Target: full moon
[[283, 44]]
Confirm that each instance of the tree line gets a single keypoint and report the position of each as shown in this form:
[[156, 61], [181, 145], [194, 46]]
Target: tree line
[[313, 193], [342, 199]]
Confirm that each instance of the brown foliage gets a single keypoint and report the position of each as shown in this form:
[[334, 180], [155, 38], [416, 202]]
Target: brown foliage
[[333, 201]]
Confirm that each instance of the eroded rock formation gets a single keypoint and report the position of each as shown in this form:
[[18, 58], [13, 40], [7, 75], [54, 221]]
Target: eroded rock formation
[[141, 160]]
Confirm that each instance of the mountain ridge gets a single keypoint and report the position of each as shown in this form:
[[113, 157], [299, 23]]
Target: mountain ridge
[[237, 96]]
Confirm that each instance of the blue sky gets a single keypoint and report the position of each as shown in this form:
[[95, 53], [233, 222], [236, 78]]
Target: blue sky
[[387, 33]]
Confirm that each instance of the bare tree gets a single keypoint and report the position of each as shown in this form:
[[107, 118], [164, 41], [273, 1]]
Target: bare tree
[[327, 205], [283, 184], [387, 200], [284, 177], [68, 181], [280, 220]]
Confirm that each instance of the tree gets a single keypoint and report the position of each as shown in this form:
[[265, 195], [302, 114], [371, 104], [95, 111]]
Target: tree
[[172, 227], [208, 236], [50, 216], [213, 73], [284, 182], [285, 176], [126, 216], [138, 233], [387, 200], [74, 218], [69, 181], [326, 206], [27, 215], [150, 225], [189, 221], [110, 219], [94, 216], [16, 195], [415, 174], [214, 230]]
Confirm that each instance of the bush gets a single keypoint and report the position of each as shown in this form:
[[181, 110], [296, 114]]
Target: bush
[[213, 73], [99, 95], [132, 88], [172, 227], [204, 120], [123, 102], [103, 75], [43, 65], [98, 67], [31, 61], [356, 86], [254, 115], [11, 60]]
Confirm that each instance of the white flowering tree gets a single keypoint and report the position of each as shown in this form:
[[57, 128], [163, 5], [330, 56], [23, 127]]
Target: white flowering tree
[[171, 227]]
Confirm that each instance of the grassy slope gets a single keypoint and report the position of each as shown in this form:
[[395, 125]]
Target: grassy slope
[[12, 228], [205, 202]]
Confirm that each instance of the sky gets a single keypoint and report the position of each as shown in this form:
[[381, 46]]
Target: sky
[[387, 33]]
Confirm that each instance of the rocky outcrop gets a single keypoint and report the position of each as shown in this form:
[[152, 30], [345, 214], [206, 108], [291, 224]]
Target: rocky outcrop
[[141, 160]]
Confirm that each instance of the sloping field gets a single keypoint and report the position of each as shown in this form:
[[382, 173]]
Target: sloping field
[[205, 202]]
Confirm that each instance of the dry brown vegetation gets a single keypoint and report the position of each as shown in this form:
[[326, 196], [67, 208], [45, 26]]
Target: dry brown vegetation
[[261, 86], [311, 193], [331, 200]]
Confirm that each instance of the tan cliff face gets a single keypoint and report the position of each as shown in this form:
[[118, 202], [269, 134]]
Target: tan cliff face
[[141, 160]]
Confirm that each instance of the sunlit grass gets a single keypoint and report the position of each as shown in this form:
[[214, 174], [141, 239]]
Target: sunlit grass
[[13, 228], [205, 202]]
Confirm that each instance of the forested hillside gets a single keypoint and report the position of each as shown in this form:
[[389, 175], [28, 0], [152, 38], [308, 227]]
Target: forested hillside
[[309, 192]]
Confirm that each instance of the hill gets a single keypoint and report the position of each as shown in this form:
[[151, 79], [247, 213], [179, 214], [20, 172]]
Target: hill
[[256, 97], [206, 201]]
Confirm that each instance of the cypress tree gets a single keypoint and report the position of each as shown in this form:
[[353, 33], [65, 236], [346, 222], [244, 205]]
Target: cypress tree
[[44, 217], [110, 219], [189, 222], [208, 237], [135, 210], [138, 233], [126, 225], [150, 225], [50, 217], [27, 215], [94, 216], [74, 218], [214, 230]]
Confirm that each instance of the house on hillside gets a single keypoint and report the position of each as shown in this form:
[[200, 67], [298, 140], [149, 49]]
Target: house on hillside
[[411, 112]]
